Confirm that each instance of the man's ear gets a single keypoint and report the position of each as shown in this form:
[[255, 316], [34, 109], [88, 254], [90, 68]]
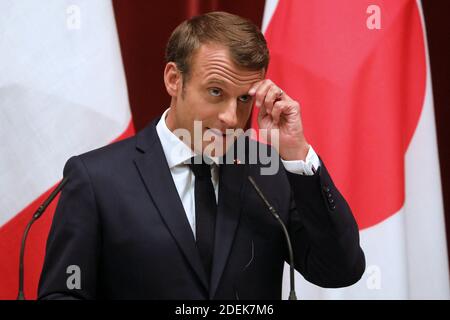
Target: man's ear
[[172, 79]]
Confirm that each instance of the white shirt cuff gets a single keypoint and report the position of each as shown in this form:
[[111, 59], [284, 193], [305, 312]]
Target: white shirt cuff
[[307, 167]]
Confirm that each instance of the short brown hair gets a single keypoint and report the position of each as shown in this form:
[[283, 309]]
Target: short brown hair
[[247, 45]]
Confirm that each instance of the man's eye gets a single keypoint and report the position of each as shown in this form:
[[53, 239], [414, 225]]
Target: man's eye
[[245, 98], [215, 92]]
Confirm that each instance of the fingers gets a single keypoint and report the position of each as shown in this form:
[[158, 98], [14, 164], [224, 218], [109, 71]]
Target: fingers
[[285, 109], [267, 94], [277, 110], [261, 93], [255, 87], [273, 94]]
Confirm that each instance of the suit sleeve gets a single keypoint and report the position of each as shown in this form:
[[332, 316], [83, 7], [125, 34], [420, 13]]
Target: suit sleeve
[[324, 233], [74, 240]]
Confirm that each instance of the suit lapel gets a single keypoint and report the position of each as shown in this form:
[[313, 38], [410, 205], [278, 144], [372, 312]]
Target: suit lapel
[[155, 173], [231, 180]]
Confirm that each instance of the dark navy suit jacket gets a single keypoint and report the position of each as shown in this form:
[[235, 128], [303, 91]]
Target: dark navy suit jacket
[[121, 221]]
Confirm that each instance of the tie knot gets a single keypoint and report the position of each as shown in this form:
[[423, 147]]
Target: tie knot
[[200, 168]]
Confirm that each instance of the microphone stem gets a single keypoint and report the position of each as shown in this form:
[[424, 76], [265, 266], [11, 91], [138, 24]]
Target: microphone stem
[[292, 295], [36, 215], [21, 295]]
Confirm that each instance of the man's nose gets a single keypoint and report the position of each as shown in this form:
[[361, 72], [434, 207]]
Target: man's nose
[[229, 116]]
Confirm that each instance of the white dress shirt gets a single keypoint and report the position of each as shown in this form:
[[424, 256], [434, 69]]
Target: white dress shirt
[[178, 155]]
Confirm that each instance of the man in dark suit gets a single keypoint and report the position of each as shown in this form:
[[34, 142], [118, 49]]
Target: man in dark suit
[[170, 214]]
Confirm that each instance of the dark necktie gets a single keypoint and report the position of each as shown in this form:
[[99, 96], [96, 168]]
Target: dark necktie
[[205, 212]]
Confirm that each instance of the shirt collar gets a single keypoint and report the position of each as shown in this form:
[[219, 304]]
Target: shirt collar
[[175, 150]]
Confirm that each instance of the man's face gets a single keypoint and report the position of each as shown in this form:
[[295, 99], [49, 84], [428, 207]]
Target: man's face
[[216, 93]]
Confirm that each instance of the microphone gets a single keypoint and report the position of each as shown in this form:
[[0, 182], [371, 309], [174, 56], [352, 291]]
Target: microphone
[[292, 295], [36, 215]]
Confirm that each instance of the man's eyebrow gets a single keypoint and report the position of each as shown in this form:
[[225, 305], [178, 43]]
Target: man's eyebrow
[[215, 80], [224, 83]]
